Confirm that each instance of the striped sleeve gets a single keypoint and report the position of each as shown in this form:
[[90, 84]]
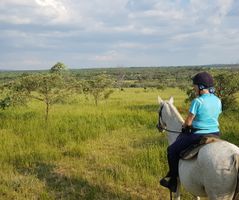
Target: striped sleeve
[[220, 105]]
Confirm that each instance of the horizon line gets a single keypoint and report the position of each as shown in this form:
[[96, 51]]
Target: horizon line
[[120, 67]]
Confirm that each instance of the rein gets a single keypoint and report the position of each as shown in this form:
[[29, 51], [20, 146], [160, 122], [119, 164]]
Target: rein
[[161, 125]]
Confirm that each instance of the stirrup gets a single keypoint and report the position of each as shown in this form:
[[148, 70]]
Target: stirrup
[[170, 183]]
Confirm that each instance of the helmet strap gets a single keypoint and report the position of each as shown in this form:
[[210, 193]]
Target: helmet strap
[[201, 87]]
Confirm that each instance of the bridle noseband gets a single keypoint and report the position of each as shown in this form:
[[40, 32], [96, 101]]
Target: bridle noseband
[[161, 126]]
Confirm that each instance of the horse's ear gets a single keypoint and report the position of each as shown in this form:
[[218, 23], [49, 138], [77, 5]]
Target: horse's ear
[[160, 100], [171, 100]]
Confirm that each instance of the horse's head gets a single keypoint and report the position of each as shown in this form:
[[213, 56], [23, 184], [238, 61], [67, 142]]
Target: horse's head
[[169, 119], [162, 126]]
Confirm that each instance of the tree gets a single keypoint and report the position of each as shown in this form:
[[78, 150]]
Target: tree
[[98, 86], [120, 80], [62, 70], [58, 68], [227, 85], [49, 88], [13, 93]]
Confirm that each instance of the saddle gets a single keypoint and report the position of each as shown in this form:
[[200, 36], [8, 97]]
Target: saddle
[[193, 150]]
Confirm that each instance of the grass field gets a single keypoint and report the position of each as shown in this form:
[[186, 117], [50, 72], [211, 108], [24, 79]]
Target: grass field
[[112, 151]]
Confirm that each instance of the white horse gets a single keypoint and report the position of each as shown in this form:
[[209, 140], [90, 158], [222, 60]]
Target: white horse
[[214, 172]]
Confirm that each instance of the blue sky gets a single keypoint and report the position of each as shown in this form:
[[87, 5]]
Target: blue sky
[[35, 34]]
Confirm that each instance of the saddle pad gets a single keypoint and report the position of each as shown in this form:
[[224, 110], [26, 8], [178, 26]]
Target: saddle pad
[[193, 150]]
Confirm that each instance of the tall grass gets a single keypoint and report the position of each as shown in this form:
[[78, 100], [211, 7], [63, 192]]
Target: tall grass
[[109, 151]]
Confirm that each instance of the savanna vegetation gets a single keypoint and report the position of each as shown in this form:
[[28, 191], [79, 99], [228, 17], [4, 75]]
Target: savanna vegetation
[[91, 134]]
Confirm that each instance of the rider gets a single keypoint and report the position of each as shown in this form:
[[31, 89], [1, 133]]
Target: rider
[[203, 120]]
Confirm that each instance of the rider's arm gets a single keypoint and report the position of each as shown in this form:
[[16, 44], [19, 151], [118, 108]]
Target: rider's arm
[[189, 120], [192, 112]]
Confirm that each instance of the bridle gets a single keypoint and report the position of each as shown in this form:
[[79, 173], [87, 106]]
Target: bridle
[[161, 126]]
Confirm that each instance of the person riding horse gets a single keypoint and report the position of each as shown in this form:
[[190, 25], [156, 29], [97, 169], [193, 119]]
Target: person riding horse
[[202, 120]]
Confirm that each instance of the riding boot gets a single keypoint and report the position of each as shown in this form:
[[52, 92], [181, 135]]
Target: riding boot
[[169, 182]]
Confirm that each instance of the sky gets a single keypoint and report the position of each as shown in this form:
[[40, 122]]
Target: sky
[[36, 34]]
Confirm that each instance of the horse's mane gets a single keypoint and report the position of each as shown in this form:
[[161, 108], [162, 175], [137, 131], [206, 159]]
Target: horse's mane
[[175, 112]]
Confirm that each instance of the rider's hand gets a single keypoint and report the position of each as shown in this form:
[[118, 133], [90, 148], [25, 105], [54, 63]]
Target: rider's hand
[[186, 129]]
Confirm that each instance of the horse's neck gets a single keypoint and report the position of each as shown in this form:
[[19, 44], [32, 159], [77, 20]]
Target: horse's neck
[[173, 136], [174, 123]]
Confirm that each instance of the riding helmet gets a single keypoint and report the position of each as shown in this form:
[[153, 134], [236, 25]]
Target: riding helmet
[[203, 79]]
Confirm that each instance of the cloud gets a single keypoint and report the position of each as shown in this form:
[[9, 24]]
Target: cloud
[[108, 56], [119, 32], [56, 10], [14, 20], [211, 12], [34, 12]]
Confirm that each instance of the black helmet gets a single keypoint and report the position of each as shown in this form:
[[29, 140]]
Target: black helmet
[[203, 79]]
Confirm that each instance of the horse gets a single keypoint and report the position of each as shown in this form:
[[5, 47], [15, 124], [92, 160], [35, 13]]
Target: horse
[[213, 173]]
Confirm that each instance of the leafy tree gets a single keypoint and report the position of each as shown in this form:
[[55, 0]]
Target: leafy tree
[[70, 80], [49, 88], [58, 68], [98, 87], [12, 94], [227, 85]]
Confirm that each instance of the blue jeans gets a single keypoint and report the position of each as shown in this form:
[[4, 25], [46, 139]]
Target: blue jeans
[[182, 142]]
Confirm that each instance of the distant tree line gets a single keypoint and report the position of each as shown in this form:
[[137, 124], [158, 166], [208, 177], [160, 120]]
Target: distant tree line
[[59, 83]]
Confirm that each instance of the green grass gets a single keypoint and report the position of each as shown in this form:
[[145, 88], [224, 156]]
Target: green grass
[[112, 151]]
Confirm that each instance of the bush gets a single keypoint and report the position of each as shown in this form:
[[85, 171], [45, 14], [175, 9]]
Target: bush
[[226, 85]]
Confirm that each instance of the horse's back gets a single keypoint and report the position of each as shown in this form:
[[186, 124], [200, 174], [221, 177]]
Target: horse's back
[[213, 169]]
